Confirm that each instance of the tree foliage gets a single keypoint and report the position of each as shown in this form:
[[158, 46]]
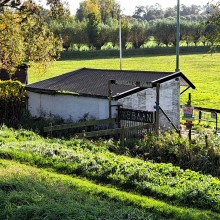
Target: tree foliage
[[25, 37], [103, 9], [213, 25], [138, 33], [154, 12]]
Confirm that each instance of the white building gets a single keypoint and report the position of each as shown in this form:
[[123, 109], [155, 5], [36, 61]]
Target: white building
[[86, 92]]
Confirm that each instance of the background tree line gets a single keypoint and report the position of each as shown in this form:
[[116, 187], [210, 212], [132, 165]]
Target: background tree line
[[30, 33], [96, 24]]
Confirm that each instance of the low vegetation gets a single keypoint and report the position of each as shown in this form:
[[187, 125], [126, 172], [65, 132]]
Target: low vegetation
[[77, 157], [202, 154], [31, 193]]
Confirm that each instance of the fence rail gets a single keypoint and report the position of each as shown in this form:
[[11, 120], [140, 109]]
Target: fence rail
[[207, 109], [206, 115], [79, 125], [121, 131]]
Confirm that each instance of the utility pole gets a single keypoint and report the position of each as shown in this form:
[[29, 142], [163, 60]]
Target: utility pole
[[178, 36], [120, 44]]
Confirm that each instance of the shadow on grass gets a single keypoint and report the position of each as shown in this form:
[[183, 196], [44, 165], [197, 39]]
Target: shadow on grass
[[32, 196], [156, 51]]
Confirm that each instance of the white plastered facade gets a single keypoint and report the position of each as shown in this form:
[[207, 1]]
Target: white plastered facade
[[73, 107]]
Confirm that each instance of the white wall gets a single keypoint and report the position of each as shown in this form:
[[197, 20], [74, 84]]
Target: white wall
[[68, 106], [75, 107], [169, 102]]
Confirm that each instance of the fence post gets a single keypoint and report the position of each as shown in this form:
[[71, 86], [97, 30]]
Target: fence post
[[206, 141], [110, 97], [200, 116], [51, 129], [190, 136], [84, 134], [157, 108], [122, 136]]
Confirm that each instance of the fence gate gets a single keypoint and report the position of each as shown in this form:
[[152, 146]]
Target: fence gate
[[131, 118]]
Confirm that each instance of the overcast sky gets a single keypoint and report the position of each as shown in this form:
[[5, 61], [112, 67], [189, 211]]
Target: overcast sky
[[128, 6]]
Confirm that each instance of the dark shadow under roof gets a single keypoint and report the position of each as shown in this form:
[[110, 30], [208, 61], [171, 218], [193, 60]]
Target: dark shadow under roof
[[94, 82], [19, 75]]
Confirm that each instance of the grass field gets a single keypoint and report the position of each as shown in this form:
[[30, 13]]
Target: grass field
[[202, 69]]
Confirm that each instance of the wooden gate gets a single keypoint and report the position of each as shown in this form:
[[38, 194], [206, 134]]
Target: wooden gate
[[133, 118]]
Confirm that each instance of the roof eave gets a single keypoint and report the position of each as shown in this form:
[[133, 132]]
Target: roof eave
[[173, 76], [54, 92]]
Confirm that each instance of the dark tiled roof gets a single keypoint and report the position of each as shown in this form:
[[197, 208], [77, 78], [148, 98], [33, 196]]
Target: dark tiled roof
[[20, 74], [94, 82]]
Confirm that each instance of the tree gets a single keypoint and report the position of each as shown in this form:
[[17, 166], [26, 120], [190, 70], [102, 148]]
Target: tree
[[25, 37], [92, 29], [169, 12], [187, 32], [103, 9], [154, 12], [210, 33], [57, 7], [139, 12], [197, 30], [138, 33], [114, 32], [64, 29], [80, 35], [164, 32], [214, 21], [125, 30]]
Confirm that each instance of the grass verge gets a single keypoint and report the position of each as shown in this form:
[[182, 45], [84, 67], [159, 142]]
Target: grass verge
[[31, 193], [77, 157]]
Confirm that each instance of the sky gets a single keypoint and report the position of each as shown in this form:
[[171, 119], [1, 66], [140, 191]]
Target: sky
[[128, 6]]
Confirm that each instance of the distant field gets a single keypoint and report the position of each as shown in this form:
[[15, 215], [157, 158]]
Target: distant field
[[202, 69]]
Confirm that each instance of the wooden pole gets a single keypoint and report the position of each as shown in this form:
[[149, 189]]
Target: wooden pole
[[122, 136], [190, 130], [120, 43], [110, 98], [157, 107]]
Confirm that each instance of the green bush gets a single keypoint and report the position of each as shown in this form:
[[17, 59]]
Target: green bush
[[12, 102], [202, 155]]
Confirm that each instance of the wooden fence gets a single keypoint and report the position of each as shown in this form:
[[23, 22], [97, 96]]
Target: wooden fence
[[112, 128], [52, 128], [206, 115]]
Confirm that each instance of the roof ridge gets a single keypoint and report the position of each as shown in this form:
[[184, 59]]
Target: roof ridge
[[144, 71]]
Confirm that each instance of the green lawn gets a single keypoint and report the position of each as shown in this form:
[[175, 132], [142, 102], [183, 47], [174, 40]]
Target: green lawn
[[202, 69]]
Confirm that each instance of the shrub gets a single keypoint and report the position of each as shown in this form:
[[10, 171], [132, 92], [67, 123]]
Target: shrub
[[202, 155], [12, 102]]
